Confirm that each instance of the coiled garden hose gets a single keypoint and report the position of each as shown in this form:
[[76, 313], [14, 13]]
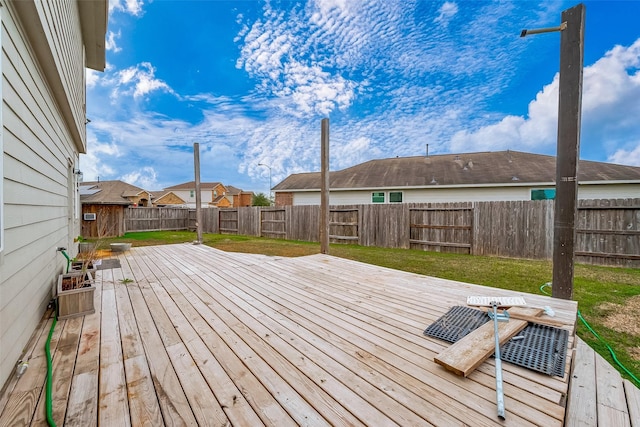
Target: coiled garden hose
[[49, 386], [613, 354]]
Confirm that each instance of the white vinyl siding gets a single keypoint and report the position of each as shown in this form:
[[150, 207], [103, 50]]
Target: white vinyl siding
[[471, 194], [1, 158], [61, 25], [609, 191], [39, 149]]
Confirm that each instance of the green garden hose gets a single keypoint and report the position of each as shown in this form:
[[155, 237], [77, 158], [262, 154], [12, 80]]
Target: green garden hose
[[613, 354], [47, 350]]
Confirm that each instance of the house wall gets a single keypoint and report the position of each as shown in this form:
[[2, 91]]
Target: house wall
[[447, 195], [285, 198], [142, 199], [224, 203], [206, 196], [218, 190], [40, 152], [168, 199], [109, 221], [609, 191], [242, 200]]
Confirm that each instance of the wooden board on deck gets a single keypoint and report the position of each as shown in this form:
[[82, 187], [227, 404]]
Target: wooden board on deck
[[464, 356]]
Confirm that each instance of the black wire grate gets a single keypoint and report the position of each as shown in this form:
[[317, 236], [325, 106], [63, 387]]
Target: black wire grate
[[456, 323], [542, 348]]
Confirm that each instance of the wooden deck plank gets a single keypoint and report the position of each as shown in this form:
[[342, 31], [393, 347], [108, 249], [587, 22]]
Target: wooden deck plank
[[581, 407], [204, 405], [113, 406], [144, 407], [129, 334], [633, 402], [612, 407], [202, 402], [226, 393], [173, 402]]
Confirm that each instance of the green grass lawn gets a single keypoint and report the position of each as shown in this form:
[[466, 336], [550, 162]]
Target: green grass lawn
[[601, 292]]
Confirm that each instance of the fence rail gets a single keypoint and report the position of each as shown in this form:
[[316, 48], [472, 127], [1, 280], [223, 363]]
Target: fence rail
[[607, 231]]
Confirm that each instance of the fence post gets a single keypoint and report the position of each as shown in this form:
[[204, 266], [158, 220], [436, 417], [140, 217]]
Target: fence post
[[324, 197]]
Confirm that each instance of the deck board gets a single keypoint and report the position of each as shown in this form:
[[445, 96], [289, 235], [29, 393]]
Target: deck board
[[188, 335]]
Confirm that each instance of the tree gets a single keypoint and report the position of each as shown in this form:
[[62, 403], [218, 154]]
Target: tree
[[261, 199]]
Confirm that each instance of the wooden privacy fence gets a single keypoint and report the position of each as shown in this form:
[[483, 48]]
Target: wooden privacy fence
[[607, 231], [157, 219]]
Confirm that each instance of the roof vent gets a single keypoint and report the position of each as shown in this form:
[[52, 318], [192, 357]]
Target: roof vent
[[433, 180], [515, 178]]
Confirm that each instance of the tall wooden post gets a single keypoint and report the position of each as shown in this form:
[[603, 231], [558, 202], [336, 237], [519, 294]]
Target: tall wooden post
[[196, 164], [324, 186], [569, 115]]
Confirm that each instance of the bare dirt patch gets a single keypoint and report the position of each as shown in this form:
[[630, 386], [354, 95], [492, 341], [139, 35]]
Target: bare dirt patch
[[635, 353], [623, 318]]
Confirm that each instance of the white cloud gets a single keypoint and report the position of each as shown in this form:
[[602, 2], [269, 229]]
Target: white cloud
[[111, 44], [131, 7], [138, 81], [627, 157], [92, 77], [447, 11], [352, 152], [145, 178], [610, 110], [96, 162]]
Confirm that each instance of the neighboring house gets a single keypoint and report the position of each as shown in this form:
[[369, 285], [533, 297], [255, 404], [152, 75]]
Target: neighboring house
[[239, 197], [485, 176], [167, 199], [46, 46], [103, 205], [212, 194]]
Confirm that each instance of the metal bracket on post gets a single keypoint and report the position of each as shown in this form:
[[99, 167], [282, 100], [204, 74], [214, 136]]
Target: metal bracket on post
[[498, 317]]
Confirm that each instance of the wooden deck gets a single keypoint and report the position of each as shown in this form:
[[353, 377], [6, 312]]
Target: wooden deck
[[189, 335]]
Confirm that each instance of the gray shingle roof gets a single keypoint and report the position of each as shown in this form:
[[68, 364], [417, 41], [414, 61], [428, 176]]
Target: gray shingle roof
[[484, 168], [191, 185], [111, 192]]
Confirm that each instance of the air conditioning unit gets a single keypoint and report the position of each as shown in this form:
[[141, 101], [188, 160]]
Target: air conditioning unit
[[89, 216]]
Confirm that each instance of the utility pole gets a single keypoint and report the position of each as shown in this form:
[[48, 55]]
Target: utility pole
[[569, 118], [196, 164], [324, 186]]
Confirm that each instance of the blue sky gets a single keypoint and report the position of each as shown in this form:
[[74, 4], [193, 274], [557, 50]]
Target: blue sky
[[251, 80]]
